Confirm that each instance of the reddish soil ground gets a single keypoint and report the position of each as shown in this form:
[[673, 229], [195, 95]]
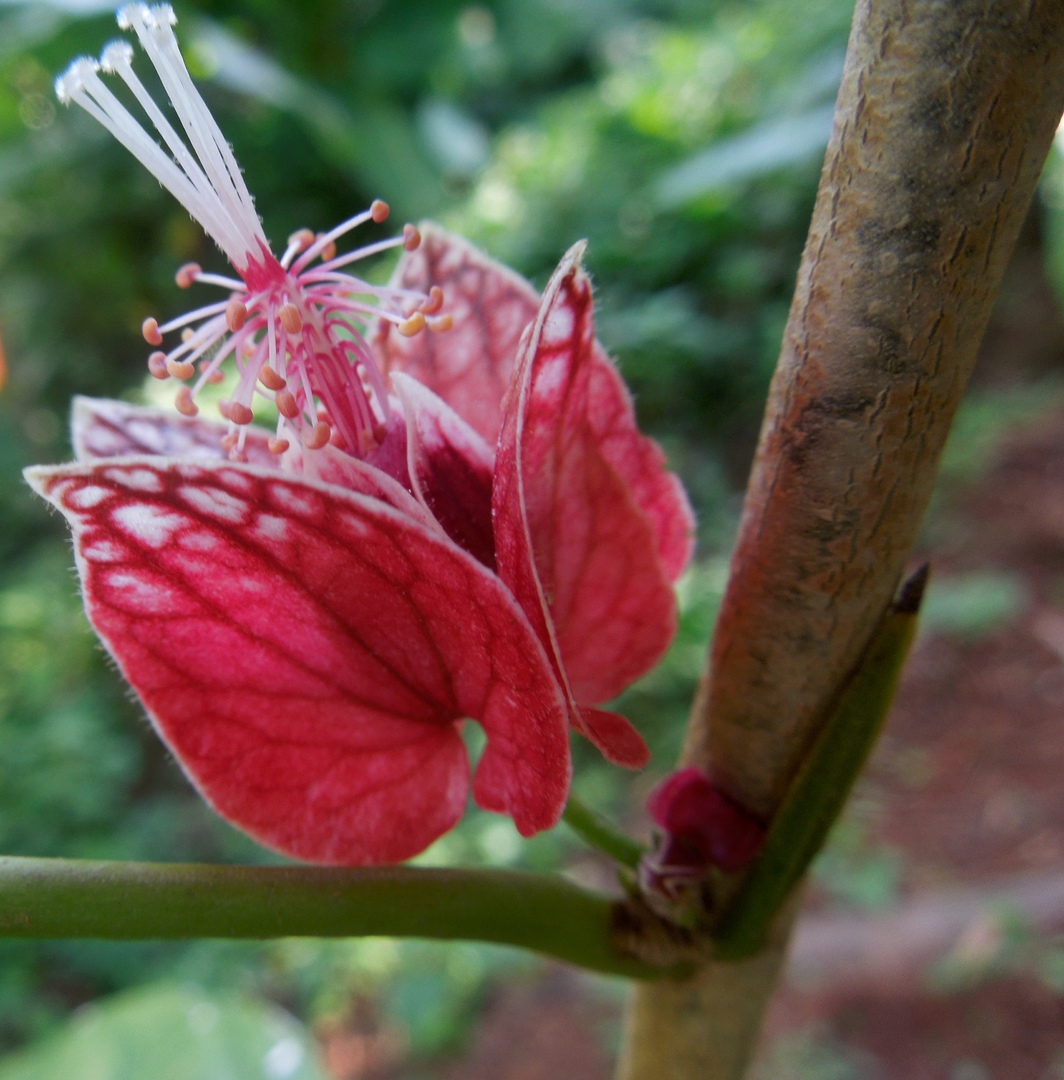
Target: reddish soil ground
[[973, 769]]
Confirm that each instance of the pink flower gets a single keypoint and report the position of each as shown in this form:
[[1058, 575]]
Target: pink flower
[[441, 526]]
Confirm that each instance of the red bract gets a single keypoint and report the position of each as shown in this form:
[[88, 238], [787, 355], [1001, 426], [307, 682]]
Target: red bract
[[590, 527], [308, 642], [308, 652], [309, 622]]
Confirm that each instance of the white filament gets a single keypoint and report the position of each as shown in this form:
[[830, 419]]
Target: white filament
[[205, 179]]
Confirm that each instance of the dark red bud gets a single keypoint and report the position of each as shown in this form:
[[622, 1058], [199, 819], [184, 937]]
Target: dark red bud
[[701, 826]]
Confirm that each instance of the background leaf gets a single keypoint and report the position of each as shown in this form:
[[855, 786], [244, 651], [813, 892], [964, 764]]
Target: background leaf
[[172, 1033]]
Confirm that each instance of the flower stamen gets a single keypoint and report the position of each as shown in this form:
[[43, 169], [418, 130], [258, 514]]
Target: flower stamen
[[296, 334], [150, 330], [236, 315]]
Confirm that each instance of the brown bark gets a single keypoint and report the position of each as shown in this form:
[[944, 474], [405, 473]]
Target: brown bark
[[945, 115], [944, 119]]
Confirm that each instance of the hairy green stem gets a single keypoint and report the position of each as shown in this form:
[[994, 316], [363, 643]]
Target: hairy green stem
[[601, 833], [74, 898]]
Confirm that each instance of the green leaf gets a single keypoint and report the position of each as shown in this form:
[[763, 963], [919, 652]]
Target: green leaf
[[172, 1033]]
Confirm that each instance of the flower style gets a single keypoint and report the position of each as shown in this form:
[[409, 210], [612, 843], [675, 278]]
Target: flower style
[[441, 526]]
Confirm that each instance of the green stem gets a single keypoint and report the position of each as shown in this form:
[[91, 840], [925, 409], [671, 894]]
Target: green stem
[[601, 833], [72, 898]]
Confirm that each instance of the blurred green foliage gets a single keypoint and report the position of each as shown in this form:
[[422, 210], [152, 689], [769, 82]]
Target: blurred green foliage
[[525, 124], [997, 943], [1053, 216], [812, 1054], [855, 872], [972, 606], [1051, 966], [983, 422], [172, 1033], [682, 138]]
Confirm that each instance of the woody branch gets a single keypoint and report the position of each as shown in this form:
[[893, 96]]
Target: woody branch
[[944, 119]]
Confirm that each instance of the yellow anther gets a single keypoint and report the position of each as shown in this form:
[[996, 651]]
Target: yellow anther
[[286, 404], [270, 379], [180, 369], [411, 237], [239, 413], [302, 238], [414, 325], [150, 329], [317, 436], [440, 323], [329, 251], [183, 402], [187, 274], [157, 365], [379, 210], [236, 314], [186, 334], [434, 302], [290, 318]]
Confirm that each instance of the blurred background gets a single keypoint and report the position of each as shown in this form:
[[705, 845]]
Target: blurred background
[[684, 140]]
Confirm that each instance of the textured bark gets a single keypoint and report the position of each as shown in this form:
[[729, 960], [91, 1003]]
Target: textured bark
[[945, 115]]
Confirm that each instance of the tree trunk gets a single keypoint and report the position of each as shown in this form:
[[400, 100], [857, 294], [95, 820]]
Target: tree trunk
[[944, 119]]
